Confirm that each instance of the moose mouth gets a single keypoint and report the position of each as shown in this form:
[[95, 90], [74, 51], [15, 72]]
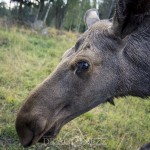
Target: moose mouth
[[45, 137], [50, 135]]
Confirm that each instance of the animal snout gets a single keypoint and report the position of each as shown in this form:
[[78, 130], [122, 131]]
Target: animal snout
[[30, 129], [25, 134]]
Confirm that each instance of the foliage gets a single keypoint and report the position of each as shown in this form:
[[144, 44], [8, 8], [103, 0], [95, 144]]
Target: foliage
[[105, 9], [26, 58], [74, 16], [61, 14], [3, 10]]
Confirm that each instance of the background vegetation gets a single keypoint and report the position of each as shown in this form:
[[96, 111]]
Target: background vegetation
[[26, 58], [61, 14]]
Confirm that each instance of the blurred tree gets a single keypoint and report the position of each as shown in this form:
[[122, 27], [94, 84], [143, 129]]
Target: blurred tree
[[94, 3], [106, 8], [86, 4], [48, 9], [74, 15], [59, 10], [71, 16], [112, 9], [22, 3], [67, 14], [40, 12], [3, 9]]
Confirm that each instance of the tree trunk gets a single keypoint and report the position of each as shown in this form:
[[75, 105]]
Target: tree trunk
[[20, 10], [111, 9], [48, 9], [10, 5], [40, 11], [80, 17]]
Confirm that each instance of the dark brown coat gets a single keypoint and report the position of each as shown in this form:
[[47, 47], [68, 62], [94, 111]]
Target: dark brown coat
[[111, 59]]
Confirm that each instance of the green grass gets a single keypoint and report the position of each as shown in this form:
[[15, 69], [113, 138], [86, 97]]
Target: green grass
[[26, 59]]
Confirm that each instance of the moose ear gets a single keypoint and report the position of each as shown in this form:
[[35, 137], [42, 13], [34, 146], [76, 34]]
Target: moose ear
[[129, 14], [91, 17]]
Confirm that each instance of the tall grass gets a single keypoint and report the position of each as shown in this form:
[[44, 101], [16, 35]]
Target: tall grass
[[27, 58]]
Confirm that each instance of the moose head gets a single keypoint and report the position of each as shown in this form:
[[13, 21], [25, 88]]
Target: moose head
[[110, 59]]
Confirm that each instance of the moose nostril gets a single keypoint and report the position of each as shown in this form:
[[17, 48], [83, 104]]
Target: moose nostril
[[29, 128], [26, 137], [28, 144], [25, 134]]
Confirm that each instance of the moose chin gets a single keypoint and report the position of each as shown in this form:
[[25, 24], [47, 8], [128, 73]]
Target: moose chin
[[111, 59]]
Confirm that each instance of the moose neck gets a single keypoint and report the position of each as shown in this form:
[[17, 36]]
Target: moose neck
[[137, 61]]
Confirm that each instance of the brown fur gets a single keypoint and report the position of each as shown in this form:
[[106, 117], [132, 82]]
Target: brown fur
[[118, 57]]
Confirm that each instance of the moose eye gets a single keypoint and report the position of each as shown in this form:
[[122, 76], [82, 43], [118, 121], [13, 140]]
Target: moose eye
[[81, 66]]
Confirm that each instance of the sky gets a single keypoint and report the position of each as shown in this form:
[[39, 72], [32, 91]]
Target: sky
[[8, 2]]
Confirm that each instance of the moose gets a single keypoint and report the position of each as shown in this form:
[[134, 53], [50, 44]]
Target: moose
[[111, 59]]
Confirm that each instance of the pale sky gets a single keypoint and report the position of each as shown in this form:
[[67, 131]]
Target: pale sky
[[8, 2]]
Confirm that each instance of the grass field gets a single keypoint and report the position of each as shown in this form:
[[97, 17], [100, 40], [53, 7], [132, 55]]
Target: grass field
[[26, 58]]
